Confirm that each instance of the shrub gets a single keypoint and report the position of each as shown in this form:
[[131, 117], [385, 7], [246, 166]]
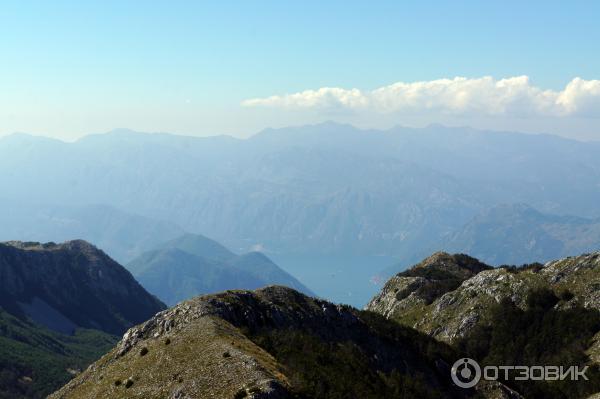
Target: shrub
[[538, 335]]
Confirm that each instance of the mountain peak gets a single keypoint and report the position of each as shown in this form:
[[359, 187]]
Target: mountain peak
[[20, 138], [459, 265], [425, 282], [199, 245], [327, 129], [193, 264]]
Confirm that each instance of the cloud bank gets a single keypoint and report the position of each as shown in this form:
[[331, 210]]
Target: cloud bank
[[486, 96]]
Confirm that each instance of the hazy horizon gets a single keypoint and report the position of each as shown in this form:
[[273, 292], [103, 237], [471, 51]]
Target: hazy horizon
[[118, 130], [70, 69]]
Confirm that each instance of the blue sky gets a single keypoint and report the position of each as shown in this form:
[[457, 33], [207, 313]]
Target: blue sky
[[70, 68]]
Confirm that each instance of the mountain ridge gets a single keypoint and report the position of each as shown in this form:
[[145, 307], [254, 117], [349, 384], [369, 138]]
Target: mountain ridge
[[266, 344], [77, 280]]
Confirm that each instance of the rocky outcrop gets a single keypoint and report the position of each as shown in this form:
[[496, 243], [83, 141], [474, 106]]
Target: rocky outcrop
[[580, 275], [273, 307], [450, 315], [411, 291]]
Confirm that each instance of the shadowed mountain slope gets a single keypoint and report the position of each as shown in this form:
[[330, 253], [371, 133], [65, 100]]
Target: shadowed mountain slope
[[75, 282], [61, 306]]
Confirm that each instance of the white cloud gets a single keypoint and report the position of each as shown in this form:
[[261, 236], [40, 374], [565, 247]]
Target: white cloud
[[581, 97], [323, 97], [460, 96]]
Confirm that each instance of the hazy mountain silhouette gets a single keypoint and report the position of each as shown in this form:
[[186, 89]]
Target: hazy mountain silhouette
[[524, 235], [122, 235], [193, 265], [328, 188]]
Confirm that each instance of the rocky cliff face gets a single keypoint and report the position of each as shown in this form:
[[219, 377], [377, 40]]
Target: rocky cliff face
[[269, 343], [70, 285]]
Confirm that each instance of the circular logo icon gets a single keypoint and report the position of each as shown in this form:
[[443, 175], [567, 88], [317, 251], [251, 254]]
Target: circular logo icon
[[466, 373]]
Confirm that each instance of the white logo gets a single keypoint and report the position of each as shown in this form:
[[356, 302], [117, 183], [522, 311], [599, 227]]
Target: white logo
[[466, 373]]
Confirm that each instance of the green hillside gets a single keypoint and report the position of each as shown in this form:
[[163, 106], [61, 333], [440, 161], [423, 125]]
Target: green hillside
[[35, 361]]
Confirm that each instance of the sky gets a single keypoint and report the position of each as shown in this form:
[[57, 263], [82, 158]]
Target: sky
[[71, 68]]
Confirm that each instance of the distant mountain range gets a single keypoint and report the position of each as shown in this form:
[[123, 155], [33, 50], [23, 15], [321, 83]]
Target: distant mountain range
[[523, 235], [514, 234], [61, 306], [324, 188], [122, 235], [192, 265]]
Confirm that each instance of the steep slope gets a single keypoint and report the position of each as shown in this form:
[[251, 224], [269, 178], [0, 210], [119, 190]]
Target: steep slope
[[534, 314], [193, 264], [69, 285], [271, 343]]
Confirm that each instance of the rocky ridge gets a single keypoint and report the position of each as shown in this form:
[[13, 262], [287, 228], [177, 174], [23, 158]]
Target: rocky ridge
[[450, 315], [530, 315], [218, 346]]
